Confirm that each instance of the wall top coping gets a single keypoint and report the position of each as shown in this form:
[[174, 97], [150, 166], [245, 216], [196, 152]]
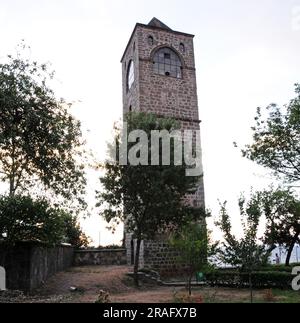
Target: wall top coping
[[33, 243], [99, 250]]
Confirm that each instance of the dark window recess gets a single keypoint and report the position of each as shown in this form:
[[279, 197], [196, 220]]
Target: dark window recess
[[150, 40], [167, 62], [182, 47]]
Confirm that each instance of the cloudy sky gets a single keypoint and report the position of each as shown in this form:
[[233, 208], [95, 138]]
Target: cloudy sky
[[247, 55]]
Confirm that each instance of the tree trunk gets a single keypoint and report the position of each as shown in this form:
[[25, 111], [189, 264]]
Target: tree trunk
[[291, 248], [190, 285], [251, 288], [12, 186], [136, 262]]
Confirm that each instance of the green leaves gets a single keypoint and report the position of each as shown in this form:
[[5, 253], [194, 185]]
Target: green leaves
[[247, 253], [149, 199], [40, 142], [25, 219], [276, 139]]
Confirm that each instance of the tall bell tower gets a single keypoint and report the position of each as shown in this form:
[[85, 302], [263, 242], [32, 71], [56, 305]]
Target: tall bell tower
[[159, 76]]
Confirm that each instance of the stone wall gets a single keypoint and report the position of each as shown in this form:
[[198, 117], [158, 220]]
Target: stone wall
[[156, 255], [28, 265], [161, 257], [110, 257]]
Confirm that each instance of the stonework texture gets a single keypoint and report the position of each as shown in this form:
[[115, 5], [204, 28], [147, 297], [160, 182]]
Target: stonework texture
[[111, 257], [29, 264], [165, 96]]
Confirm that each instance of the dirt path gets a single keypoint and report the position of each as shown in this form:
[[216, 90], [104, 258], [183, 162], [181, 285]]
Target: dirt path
[[89, 281]]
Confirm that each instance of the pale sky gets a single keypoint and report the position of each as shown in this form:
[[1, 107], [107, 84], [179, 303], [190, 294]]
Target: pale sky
[[247, 55]]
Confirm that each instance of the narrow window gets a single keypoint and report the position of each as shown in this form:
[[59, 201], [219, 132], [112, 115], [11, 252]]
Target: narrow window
[[182, 47], [150, 40], [130, 75]]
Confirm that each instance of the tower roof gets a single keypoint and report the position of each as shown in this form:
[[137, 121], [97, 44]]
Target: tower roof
[[158, 24], [155, 24]]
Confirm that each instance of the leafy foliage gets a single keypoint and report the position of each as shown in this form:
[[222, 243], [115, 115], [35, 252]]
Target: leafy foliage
[[246, 253], [149, 199], [282, 211], [260, 279], [152, 195], [73, 233], [40, 142], [192, 241], [276, 139], [25, 219]]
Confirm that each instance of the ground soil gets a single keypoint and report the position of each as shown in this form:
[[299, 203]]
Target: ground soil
[[83, 285]]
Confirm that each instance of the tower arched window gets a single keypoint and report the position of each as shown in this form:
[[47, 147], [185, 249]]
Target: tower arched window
[[130, 75], [167, 62], [182, 47], [150, 40]]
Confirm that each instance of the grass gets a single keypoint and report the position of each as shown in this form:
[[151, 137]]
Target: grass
[[231, 296]]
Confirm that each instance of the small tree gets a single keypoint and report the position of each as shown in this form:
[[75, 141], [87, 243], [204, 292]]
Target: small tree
[[193, 244], [276, 143], [74, 234], [247, 254], [282, 211], [40, 141], [148, 199]]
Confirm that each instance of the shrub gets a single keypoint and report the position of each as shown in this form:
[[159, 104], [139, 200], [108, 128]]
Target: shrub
[[260, 279], [73, 232], [279, 268], [25, 219]]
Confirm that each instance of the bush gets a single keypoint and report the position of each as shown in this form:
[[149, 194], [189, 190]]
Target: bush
[[260, 279], [279, 268], [25, 219], [73, 232]]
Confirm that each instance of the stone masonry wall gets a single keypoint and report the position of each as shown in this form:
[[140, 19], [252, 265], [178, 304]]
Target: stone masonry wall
[[113, 257], [160, 256], [29, 264], [165, 96]]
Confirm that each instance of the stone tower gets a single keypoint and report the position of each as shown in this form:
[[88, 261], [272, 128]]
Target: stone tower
[[159, 76]]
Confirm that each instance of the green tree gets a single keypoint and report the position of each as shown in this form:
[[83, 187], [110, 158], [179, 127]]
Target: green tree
[[282, 211], [247, 254], [74, 234], [194, 246], [25, 219], [276, 139], [40, 142], [148, 199]]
